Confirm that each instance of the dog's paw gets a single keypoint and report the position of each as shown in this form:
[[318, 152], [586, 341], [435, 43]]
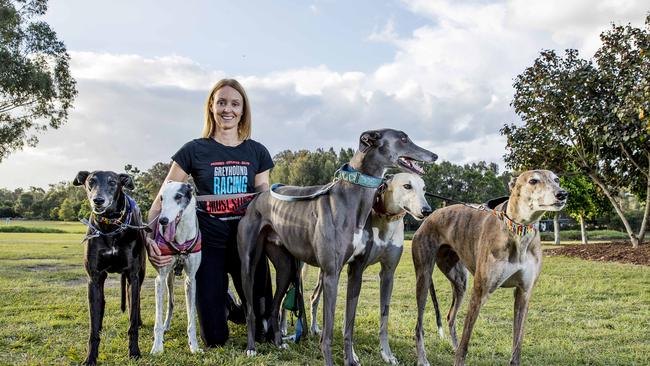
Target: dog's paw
[[89, 362], [314, 330], [389, 358], [283, 346], [196, 350], [424, 362], [156, 349], [251, 353]]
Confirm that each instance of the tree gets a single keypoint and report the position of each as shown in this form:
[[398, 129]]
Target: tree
[[36, 88], [586, 201], [593, 117]]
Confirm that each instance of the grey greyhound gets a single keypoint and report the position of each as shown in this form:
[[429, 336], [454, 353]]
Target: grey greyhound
[[500, 246], [384, 238], [325, 232]]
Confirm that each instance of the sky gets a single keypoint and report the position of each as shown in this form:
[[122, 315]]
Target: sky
[[318, 73]]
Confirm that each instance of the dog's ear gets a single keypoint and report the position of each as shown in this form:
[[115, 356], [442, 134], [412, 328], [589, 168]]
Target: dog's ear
[[80, 179], [513, 181], [369, 139], [127, 181]]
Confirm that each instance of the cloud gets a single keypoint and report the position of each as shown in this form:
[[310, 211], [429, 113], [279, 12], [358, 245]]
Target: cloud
[[448, 85]]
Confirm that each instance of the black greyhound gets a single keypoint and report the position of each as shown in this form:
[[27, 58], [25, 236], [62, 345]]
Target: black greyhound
[[115, 244]]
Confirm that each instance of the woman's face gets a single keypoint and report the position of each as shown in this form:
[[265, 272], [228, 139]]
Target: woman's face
[[227, 107]]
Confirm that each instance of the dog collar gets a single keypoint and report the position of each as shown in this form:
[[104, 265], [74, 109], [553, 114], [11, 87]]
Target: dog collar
[[124, 217], [516, 228], [349, 174], [378, 209]]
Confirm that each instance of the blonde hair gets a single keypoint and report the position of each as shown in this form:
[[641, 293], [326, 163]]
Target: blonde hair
[[210, 125]]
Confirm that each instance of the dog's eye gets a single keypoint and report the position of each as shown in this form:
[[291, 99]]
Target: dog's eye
[[112, 183], [404, 139], [178, 196], [533, 181], [408, 186], [556, 180]]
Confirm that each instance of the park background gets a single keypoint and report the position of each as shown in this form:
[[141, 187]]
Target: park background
[[493, 87]]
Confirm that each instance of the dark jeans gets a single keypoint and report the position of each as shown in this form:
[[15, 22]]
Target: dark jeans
[[212, 292]]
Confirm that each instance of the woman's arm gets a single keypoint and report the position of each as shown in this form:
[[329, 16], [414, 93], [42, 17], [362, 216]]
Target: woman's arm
[[262, 181], [176, 173]]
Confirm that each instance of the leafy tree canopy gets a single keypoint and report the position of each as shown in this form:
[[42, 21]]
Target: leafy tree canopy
[[36, 88]]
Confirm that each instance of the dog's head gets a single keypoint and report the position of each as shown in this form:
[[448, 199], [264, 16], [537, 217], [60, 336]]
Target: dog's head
[[176, 197], [405, 191], [103, 188], [394, 149], [539, 189]]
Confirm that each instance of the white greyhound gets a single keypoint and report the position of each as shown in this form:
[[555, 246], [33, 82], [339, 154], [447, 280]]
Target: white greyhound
[[384, 240], [177, 234]]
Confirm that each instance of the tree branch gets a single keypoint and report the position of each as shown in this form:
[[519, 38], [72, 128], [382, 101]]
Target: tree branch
[[636, 165]]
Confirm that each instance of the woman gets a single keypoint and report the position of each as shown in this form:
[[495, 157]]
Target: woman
[[224, 161]]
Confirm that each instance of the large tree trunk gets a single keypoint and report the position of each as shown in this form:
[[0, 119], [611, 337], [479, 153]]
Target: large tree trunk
[[646, 213], [633, 238], [556, 227], [583, 232]]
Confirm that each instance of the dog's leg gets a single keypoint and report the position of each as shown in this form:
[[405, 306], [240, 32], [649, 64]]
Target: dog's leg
[[161, 289], [330, 287], [385, 291], [355, 274], [423, 252], [285, 270], [133, 288], [192, 264], [480, 295], [315, 299], [449, 264], [95, 305], [169, 284], [458, 276], [522, 298], [250, 246]]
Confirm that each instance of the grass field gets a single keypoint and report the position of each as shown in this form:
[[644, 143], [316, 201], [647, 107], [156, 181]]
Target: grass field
[[582, 313]]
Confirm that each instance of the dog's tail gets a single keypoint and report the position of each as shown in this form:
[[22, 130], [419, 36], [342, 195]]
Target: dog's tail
[[434, 299], [123, 292]]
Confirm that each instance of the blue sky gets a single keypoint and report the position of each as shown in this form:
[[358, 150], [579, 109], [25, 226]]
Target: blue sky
[[318, 73]]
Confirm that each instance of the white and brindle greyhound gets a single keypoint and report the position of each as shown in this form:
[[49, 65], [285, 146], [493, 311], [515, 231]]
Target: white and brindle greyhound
[[500, 246], [383, 236], [177, 234], [325, 231]]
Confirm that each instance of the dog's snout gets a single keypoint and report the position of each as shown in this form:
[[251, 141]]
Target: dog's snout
[[99, 201], [163, 221], [426, 211], [562, 195]]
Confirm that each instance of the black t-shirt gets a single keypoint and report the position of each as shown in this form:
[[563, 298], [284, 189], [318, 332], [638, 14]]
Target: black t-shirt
[[217, 170]]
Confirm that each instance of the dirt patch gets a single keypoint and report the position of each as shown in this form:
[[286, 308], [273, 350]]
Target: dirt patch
[[616, 251]]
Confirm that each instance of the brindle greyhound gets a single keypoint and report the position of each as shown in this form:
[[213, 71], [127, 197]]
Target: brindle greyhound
[[499, 246], [384, 238], [324, 232], [116, 244]]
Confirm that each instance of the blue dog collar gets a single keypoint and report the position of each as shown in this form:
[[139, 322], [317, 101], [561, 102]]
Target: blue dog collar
[[349, 174]]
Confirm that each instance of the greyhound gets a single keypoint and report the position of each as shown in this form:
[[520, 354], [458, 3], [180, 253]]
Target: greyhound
[[177, 234], [325, 231], [116, 244], [500, 246], [383, 236]]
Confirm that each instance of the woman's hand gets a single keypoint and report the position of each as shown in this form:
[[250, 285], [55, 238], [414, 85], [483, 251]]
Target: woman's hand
[[155, 257]]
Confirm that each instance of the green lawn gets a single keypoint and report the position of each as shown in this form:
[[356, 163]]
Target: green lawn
[[582, 313]]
